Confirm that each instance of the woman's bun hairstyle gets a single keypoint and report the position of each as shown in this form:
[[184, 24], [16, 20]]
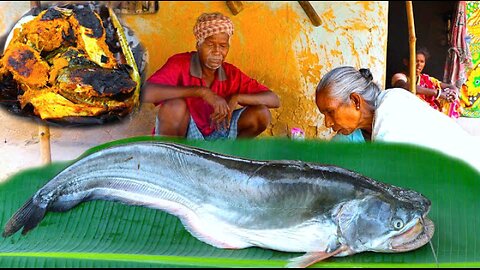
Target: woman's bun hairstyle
[[366, 74]]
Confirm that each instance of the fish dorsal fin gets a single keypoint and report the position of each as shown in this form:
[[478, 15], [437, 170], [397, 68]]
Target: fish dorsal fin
[[313, 257]]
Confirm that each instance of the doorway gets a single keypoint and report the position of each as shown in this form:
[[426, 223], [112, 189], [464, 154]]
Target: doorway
[[432, 24]]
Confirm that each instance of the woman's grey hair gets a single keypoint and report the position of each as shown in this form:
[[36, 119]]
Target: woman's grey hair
[[345, 80]]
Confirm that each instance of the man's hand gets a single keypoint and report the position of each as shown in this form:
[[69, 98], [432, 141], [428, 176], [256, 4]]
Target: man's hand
[[232, 105], [221, 109]]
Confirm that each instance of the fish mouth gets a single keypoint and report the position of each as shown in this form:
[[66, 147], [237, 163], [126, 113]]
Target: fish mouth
[[418, 235]]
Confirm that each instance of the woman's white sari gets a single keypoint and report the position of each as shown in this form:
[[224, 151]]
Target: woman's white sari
[[402, 117]]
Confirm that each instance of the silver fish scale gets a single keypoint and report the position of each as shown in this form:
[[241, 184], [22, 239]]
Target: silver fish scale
[[260, 195]]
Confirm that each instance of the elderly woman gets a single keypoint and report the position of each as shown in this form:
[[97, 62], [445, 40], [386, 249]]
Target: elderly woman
[[350, 100], [203, 97]]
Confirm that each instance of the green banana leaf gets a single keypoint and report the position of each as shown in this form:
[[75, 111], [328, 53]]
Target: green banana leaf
[[108, 234]]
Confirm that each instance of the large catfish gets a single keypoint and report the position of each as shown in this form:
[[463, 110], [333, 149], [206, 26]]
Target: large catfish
[[234, 203]]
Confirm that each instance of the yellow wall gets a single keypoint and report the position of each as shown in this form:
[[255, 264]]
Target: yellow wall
[[275, 43]]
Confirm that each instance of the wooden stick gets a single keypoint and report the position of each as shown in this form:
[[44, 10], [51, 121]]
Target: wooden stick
[[235, 6], [311, 13], [43, 129], [35, 4], [412, 42], [44, 136]]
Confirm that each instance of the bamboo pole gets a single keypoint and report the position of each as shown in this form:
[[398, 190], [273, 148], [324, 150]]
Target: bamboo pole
[[44, 135], [412, 42], [311, 13], [43, 128], [235, 6], [35, 4]]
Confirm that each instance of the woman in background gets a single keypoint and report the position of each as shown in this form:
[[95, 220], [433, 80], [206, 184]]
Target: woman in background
[[441, 96]]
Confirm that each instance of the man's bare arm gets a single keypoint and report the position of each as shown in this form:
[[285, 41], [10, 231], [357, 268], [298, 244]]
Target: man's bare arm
[[268, 98], [154, 93]]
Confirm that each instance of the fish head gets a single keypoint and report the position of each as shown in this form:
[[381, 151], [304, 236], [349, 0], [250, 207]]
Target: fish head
[[384, 223]]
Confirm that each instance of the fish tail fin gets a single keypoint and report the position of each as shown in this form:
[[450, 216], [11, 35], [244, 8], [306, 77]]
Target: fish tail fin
[[28, 217]]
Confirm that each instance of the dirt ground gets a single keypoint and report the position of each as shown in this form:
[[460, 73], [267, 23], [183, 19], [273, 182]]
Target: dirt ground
[[20, 146]]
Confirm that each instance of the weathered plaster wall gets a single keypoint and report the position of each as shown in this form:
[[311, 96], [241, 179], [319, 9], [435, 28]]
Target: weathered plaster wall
[[273, 42], [276, 43]]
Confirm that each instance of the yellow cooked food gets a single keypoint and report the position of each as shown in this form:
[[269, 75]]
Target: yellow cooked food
[[49, 104], [26, 65], [92, 41], [63, 64], [45, 35]]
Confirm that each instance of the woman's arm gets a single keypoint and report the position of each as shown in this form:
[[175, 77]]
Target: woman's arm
[[446, 93], [401, 82], [450, 91]]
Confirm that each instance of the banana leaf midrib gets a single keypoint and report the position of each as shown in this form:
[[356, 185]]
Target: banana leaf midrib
[[216, 262]]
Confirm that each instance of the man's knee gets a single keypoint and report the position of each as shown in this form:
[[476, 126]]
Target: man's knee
[[255, 117], [173, 117], [173, 107], [264, 117]]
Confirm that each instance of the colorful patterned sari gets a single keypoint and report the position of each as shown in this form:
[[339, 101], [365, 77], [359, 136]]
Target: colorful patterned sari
[[450, 109]]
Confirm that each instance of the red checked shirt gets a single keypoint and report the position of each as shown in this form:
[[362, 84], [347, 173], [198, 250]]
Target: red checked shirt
[[185, 69]]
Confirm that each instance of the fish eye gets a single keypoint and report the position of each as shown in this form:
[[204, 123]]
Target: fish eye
[[397, 224]]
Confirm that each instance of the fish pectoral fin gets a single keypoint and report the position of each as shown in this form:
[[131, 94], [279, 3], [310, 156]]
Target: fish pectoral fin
[[313, 257]]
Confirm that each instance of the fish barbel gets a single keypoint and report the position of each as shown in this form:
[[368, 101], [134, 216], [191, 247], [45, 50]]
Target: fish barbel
[[231, 202]]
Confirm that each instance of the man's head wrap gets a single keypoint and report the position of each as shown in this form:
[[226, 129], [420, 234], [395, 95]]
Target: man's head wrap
[[209, 24]]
